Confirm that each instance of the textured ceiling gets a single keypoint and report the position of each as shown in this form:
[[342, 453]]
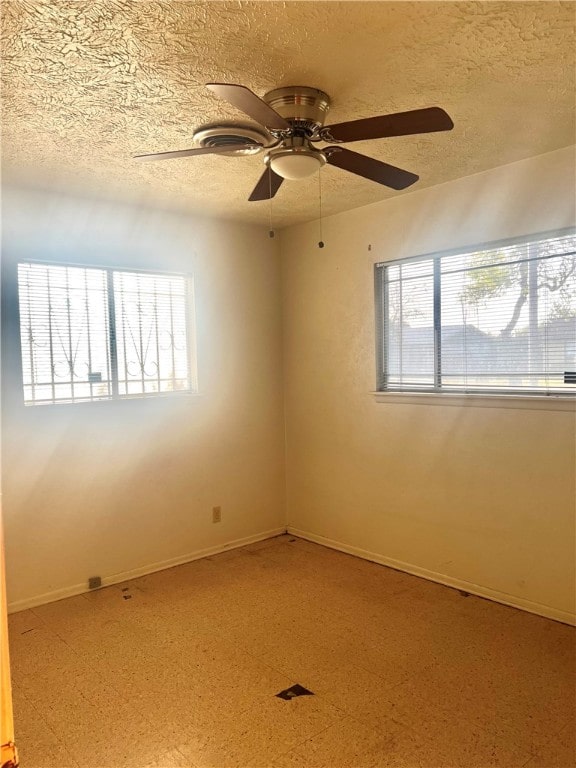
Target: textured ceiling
[[86, 85]]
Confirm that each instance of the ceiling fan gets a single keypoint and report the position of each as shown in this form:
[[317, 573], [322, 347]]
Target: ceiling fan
[[292, 120]]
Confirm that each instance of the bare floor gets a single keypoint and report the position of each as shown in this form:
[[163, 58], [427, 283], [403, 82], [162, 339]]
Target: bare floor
[[181, 668]]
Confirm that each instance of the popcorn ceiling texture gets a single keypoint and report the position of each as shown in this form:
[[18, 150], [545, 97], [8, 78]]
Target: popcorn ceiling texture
[[86, 85]]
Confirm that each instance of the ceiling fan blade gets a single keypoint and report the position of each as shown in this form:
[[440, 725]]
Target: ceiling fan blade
[[253, 106], [191, 152], [375, 170], [399, 124], [267, 186]]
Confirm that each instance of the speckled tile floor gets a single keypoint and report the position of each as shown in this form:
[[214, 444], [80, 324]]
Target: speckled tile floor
[[180, 670]]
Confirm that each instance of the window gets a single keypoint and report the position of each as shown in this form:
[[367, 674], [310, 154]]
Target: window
[[99, 334], [497, 320]]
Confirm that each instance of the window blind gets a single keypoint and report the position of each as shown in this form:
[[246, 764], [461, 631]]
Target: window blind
[[150, 322], [501, 319], [93, 334]]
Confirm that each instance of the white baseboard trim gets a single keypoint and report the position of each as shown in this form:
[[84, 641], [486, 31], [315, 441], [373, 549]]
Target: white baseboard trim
[[116, 578], [475, 589]]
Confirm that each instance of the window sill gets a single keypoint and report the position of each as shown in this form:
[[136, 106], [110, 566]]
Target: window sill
[[526, 402], [111, 402]]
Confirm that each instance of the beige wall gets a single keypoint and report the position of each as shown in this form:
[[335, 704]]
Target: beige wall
[[105, 488], [477, 497]]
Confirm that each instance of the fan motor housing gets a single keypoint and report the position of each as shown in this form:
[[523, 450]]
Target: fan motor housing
[[253, 137], [301, 104]]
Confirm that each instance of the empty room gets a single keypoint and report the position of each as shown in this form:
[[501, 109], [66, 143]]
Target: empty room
[[288, 384]]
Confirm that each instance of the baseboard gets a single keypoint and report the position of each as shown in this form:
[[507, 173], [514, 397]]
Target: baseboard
[[475, 589], [491, 594], [116, 578]]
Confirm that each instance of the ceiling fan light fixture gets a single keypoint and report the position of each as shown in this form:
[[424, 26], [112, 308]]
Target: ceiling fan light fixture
[[296, 162], [290, 121]]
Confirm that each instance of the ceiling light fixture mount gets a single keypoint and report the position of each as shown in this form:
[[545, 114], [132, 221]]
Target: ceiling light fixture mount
[[303, 107]]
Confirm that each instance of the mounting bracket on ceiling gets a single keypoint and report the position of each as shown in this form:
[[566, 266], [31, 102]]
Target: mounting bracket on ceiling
[[302, 106]]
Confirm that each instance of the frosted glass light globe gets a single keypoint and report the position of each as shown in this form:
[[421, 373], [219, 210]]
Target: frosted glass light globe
[[295, 162], [296, 165]]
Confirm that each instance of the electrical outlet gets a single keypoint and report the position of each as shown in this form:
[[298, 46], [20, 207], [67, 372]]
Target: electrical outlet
[[216, 514]]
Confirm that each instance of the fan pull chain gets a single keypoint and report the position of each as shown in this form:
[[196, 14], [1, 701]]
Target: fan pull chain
[[320, 242], [270, 231]]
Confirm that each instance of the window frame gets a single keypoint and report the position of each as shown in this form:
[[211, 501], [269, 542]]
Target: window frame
[[436, 393], [114, 396]]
